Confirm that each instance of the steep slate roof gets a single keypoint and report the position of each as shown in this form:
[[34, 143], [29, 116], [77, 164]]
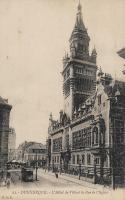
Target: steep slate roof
[[79, 21], [121, 53], [37, 146], [114, 86], [79, 24], [3, 101], [27, 145]]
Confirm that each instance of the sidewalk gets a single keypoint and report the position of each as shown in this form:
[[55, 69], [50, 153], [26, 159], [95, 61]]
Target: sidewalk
[[75, 179]]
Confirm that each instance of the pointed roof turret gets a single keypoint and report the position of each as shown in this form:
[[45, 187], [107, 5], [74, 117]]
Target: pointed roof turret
[[83, 107], [51, 117], [75, 112], [79, 24], [4, 103], [100, 72], [117, 93], [79, 21], [79, 40], [79, 110], [79, 6], [94, 51], [93, 55]]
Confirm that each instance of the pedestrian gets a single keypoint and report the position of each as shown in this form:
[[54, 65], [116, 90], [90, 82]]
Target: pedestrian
[[3, 182], [45, 169], [56, 174], [2, 173], [8, 182]]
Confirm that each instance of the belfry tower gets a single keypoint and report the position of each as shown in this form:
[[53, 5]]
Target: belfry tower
[[79, 68]]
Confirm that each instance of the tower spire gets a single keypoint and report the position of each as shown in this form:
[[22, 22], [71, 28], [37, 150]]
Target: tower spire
[[78, 82], [79, 21], [79, 40], [79, 6]]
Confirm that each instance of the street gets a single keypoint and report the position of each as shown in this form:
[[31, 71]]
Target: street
[[45, 179], [48, 185], [49, 180]]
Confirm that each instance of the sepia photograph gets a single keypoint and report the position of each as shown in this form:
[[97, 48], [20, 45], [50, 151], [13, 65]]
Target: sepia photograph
[[62, 99]]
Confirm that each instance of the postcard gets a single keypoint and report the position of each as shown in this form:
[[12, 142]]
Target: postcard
[[62, 99]]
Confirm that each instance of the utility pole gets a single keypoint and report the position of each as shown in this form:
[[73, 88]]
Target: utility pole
[[60, 165], [112, 156], [53, 165], [36, 166], [113, 167], [95, 171], [79, 169]]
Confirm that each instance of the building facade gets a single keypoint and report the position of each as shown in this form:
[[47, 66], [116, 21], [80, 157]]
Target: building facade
[[5, 109], [121, 53], [32, 153], [35, 155], [11, 144], [89, 138], [79, 68]]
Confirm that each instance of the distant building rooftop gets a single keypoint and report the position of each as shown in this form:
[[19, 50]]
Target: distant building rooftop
[[121, 53]]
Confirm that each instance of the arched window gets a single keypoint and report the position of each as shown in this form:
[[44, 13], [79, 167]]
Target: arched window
[[102, 138], [95, 136], [83, 159], [88, 159]]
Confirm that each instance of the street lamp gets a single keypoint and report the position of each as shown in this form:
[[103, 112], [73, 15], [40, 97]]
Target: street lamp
[[95, 171], [79, 169], [36, 166], [53, 165], [60, 165]]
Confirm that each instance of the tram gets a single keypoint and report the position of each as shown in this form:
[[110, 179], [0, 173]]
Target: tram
[[27, 174]]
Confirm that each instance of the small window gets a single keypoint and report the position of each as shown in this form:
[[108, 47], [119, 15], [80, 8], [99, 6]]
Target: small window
[[73, 160], [99, 99], [97, 161], [77, 159], [68, 73], [83, 159], [88, 159]]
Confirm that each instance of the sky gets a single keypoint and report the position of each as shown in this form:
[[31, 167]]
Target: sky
[[34, 35]]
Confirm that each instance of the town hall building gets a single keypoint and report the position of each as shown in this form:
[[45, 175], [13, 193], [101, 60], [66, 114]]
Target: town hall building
[[88, 139]]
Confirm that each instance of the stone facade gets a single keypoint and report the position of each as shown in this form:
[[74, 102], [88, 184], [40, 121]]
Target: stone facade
[[89, 138], [30, 152], [11, 144], [121, 53], [5, 109], [79, 68]]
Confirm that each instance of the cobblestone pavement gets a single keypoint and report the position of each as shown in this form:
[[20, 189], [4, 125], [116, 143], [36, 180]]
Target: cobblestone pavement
[[48, 179]]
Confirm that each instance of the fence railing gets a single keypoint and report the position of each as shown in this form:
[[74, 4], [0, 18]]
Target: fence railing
[[94, 173]]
